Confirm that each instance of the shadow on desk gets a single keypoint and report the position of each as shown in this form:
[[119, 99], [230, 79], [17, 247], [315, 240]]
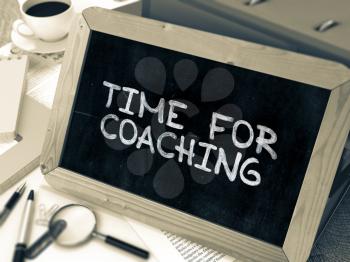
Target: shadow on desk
[[334, 243]]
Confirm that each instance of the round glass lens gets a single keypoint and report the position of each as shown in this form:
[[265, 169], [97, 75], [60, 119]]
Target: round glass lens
[[81, 222]]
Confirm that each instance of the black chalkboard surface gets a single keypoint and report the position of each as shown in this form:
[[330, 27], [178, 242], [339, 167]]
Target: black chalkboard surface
[[233, 150]]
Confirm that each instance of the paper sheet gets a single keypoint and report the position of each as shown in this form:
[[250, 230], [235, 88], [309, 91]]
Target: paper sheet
[[42, 74], [193, 252], [12, 84], [42, 77], [169, 247], [4, 146]]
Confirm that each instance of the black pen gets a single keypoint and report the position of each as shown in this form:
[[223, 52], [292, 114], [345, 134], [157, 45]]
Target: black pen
[[21, 245], [11, 203]]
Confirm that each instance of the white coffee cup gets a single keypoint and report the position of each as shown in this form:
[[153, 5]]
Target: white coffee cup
[[47, 28]]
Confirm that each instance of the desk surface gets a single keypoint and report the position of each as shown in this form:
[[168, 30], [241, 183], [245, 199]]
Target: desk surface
[[46, 198], [334, 244]]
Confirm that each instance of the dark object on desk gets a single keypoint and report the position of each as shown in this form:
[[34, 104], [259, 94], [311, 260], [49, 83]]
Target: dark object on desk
[[11, 203], [77, 233], [307, 27], [20, 249], [46, 239]]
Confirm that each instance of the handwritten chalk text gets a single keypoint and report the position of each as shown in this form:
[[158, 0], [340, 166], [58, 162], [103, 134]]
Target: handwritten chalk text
[[185, 147]]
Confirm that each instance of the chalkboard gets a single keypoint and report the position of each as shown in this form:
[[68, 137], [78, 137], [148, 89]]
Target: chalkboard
[[230, 144], [127, 157]]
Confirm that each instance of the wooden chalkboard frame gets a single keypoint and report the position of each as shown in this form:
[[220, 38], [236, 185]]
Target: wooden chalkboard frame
[[321, 169]]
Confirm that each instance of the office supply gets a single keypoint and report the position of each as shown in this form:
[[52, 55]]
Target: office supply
[[12, 84], [45, 214], [11, 203], [326, 25], [77, 233], [135, 130], [21, 245], [181, 250], [32, 123], [270, 24], [115, 224], [32, 127], [44, 241]]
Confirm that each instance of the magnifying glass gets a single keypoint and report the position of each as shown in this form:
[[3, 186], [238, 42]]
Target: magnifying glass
[[81, 227]]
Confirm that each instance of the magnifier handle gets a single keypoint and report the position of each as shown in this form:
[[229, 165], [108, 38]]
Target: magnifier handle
[[127, 247], [39, 246], [46, 239]]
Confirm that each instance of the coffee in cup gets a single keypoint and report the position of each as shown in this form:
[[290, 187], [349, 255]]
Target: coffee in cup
[[48, 20]]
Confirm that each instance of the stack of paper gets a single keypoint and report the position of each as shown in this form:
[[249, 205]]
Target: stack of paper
[[12, 75], [17, 158]]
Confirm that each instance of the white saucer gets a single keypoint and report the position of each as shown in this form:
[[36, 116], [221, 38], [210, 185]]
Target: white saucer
[[36, 45]]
